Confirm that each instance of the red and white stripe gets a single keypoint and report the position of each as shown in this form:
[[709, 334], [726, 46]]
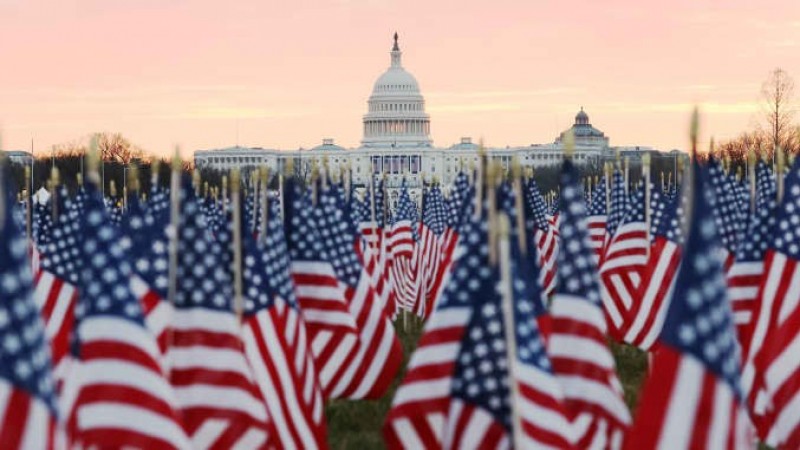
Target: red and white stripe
[[469, 427], [401, 246], [597, 236], [331, 326], [544, 420], [429, 255], [419, 409], [620, 272], [686, 406], [157, 312], [116, 395], [277, 347], [646, 318], [25, 421], [585, 370], [779, 296], [378, 355], [744, 279], [547, 243], [779, 371], [219, 401], [56, 301]]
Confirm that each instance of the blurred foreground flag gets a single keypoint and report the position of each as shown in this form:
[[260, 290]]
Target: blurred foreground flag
[[27, 399], [693, 398]]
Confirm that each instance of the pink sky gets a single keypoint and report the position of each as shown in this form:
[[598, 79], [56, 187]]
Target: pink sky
[[166, 72]]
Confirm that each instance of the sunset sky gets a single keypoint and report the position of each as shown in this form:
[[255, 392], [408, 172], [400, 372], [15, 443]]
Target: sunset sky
[[285, 74]]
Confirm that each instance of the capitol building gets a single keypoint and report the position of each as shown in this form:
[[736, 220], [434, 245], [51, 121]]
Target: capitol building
[[397, 142]]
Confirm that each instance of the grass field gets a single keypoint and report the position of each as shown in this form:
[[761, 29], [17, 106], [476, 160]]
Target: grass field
[[357, 424]]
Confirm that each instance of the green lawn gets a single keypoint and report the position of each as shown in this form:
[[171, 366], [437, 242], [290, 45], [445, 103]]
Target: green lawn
[[357, 424]]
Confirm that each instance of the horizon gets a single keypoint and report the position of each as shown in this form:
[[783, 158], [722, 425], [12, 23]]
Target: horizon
[[287, 76]]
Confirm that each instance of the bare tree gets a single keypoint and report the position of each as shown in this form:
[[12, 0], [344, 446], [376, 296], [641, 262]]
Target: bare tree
[[777, 93]]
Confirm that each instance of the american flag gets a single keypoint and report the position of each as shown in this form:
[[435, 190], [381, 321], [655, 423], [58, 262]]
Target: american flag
[[55, 291], [421, 404], [598, 214], [617, 210], [145, 240], [544, 234], [332, 327], [582, 362], [543, 415], [692, 398], [402, 240], [623, 263], [771, 373], [379, 354], [430, 250], [116, 394], [646, 316], [28, 412], [276, 342], [729, 219], [220, 403], [747, 272]]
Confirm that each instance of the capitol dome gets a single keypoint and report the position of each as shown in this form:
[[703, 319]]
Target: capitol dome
[[396, 109]]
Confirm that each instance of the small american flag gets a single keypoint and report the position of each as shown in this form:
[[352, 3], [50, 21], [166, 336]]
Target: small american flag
[[582, 362], [332, 328], [747, 272], [221, 405], [692, 398], [116, 394], [771, 373], [431, 250], [646, 317], [28, 414], [598, 214], [401, 241], [544, 234], [729, 219], [420, 406], [379, 354], [622, 264], [276, 342]]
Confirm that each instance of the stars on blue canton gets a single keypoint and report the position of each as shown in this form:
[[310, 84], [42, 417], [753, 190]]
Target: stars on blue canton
[[266, 274], [357, 211], [303, 239], [535, 208], [380, 205], [148, 245], [434, 215], [577, 274], [61, 254], [761, 226], [556, 204], [481, 373], [786, 238], [635, 210], [528, 306], [699, 321], [657, 206], [106, 270], [471, 266], [203, 279], [407, 210], [460, 203], [336, 238], [723, 204], [24, 351], [670, 219], [619, 203], [598, 206], [42, 223]]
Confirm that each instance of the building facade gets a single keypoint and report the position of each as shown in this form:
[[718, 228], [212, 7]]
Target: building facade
[[397, 142]]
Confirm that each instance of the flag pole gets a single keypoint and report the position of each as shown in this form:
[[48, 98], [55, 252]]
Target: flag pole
[[174, 219], [608, 188], [264, 176], [28, 212], [516, 172], [627, 174], [647, 194], [507, 298], [238, 301], [780, 163], [55, 180], [2, 190], [751, 175]]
